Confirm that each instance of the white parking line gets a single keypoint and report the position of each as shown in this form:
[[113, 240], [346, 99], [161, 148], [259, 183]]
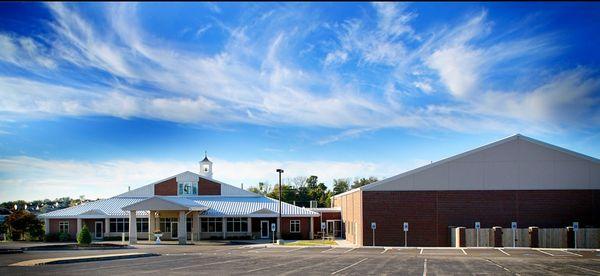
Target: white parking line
[[572, 253], [421, 253], [338, 271], [283, 264], [503, 252], [585, 269], [198, 265], [295, 249], [425, 267], [549, 254], [350, 250], [464, 252], [328, 250], [385, 250]]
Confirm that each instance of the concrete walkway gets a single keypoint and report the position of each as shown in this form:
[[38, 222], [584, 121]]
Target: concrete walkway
[[66, 260]]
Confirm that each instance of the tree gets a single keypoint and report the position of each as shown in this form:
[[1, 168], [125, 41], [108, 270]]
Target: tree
[[262, 189], [84, 237], [24, 225], [363, 181], [340, 185]]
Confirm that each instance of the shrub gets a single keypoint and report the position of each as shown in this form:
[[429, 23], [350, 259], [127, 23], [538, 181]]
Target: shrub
[[63, 237], [51, 237], [23, 224], [84, 237]]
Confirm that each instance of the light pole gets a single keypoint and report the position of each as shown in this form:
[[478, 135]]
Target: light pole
[[280, 171]]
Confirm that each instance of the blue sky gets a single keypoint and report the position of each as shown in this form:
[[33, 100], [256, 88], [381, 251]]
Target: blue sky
[[96, 97]]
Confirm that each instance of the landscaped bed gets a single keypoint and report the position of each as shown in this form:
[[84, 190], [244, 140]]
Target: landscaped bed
[[93, 246], [311, 243]]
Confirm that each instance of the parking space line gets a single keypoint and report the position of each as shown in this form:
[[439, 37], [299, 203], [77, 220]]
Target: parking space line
[[503, 252], [295, 249], [283, 264], [500, 266], [328, 250], [385, 250], [566, 251], [585, 269], [425, 267], [464, 252], [198, 265], [421, 253], [349, 250], [340, 270], [549, 254]]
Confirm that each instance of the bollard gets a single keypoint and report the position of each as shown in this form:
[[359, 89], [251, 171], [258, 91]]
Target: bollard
[[460, 237], [534, 241], [570, 237], [497, 235]]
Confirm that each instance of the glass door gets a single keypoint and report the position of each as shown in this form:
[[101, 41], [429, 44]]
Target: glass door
[[264, 229], [98, 230]]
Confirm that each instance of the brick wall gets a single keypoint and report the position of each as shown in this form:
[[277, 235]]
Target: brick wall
[[304, 229], [323, 218], [207, 187], [166, 188], [72, 226], [351, 205], [430, 213]]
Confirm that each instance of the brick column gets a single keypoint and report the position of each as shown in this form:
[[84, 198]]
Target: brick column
[[132, 227], [461, 240], [497, 236], [534, 240]]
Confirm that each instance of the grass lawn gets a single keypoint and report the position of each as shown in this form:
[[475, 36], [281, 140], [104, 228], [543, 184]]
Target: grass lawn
[[312, 243]]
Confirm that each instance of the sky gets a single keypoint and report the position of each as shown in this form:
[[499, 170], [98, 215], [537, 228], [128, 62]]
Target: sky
[[99, 97]]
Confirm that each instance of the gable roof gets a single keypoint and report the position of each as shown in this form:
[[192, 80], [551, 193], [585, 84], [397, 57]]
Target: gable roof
[[505, 160], [166, 203], [148, 190]]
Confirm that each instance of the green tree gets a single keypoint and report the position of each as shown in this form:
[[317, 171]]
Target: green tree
[[84, 236], [340, 185], [363, 181], [262, 189], [24, 225]]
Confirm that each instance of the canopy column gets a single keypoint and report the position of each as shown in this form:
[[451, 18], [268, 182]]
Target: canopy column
[[182, 228], [195, 226], [132, 227]]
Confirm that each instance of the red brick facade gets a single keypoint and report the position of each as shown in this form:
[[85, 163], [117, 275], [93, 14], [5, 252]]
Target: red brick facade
[[304, 229], [72, 226], [169, 187], [431, 213], [325, 216]]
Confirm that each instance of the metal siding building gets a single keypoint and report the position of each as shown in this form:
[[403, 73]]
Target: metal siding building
[[515, 179]]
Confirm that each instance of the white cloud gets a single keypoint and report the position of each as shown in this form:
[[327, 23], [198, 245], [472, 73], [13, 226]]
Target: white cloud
[[24, 52], [43, 178], [458, 68], [425, 86]]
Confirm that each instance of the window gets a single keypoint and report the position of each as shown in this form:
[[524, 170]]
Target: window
[[187, 188], [120, 225], [211, 225], [63, 226], [165, 224], [294, 226], [238, 225], [142, 224], [188, 224]]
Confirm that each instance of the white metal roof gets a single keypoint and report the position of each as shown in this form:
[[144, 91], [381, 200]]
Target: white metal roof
[[218, 206], [166, 203]]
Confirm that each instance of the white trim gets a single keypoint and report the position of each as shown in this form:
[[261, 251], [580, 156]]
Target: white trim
[[101, 234], [268, 229]]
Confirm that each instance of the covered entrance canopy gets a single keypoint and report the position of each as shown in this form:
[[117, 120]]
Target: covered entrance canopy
[[164, 203]]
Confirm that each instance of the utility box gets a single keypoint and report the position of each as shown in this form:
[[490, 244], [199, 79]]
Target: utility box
[[497, 236], [534, 240], [461, 238]]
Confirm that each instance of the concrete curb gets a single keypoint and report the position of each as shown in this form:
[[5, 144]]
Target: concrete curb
[[94, 258]]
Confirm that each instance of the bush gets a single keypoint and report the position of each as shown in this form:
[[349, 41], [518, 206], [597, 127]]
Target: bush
[[63, 237], [51, 237], [22, 224], [84, 236]]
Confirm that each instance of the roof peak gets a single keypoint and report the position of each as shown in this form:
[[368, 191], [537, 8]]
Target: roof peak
[[205, 158]]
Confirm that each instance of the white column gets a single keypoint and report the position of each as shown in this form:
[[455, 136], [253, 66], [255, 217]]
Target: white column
[[250, 227], [195, 226], [312, 222], [150, 225], [224, 221], [181, 228], [47, 226], [79, 222], [132, 227], [106, 227]]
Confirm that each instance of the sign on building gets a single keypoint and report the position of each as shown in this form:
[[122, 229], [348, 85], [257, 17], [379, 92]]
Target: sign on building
[[406, 227], [373, 225]]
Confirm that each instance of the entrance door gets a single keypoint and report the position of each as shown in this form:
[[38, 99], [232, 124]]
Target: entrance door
[[330, 228], [98, 230], [174, 230], [264, 229]]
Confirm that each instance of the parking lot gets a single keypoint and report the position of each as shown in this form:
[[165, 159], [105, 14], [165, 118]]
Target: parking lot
[[235, 259]]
